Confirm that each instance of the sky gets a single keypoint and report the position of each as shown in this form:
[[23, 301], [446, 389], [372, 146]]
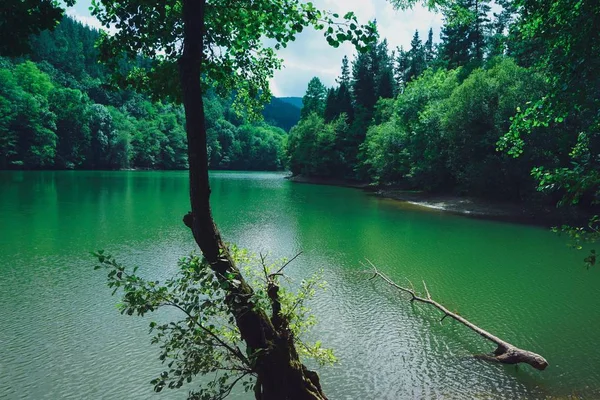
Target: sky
[[310, 55]]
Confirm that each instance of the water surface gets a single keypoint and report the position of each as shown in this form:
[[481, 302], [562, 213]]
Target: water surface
[[62, 337]]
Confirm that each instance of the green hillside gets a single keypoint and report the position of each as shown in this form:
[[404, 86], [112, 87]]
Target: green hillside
[[281, 113], [295, 101], [59, 111]]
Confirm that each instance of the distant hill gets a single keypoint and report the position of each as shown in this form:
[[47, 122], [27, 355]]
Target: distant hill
[[295, 101], [282, 113]]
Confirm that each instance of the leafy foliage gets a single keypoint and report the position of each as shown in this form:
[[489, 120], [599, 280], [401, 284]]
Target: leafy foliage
[[205, 339], [236, 57], [59, 111], [477, 91], [314, 99], [221, 45], [317, 148], [521, 82], [566, 36], [21, 18]]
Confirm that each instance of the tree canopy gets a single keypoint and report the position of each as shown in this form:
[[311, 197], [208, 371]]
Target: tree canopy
[[60, 111], [21, 18], [519, 82]]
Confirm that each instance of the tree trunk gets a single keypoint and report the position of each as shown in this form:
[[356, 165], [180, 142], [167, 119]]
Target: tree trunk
[[280, 373]]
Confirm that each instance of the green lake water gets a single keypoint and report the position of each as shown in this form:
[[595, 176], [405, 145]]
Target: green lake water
[[61, 336]]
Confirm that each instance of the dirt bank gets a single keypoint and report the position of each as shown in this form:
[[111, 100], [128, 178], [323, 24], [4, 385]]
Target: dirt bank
[[473, 207]]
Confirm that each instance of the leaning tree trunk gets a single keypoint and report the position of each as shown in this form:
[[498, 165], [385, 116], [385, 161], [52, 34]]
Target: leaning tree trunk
[[280, 373]]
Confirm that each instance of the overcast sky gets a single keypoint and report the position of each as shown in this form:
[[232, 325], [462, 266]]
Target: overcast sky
[[310, 55]]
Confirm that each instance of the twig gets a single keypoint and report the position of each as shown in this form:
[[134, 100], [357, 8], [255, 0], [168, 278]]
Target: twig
[[285, 265]]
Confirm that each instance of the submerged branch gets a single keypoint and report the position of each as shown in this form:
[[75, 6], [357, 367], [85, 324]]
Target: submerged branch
[[505, 353]]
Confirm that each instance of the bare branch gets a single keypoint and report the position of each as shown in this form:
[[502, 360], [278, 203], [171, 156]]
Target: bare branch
[[505, 353], [426, 291], [263, 263], [285, 265]]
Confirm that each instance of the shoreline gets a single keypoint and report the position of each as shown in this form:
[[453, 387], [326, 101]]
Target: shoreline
[[467, 206]]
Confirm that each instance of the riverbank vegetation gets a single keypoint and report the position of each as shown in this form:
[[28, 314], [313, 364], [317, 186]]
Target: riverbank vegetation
[[59, 110], [504, 107]]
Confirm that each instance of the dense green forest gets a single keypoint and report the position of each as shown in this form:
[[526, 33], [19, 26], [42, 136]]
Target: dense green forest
[[58, 110], [505, 106], [502, 107]]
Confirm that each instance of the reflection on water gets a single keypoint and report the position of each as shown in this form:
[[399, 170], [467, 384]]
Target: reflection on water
[[61, 336]]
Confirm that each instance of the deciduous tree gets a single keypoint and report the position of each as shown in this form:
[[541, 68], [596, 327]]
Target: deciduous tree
[[196, 44]]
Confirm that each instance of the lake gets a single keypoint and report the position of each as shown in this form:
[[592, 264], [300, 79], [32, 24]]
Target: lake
[[61, 336]]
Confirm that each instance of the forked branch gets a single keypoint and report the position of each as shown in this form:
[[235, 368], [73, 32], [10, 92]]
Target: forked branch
[[505, 353]]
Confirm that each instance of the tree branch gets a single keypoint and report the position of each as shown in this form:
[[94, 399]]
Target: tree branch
[[235, 352], [285, 265], [230, 387], [505, 353]]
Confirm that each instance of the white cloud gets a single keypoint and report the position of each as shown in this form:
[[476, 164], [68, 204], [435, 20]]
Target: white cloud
[[85, 19], [310, 55], [88, 20]]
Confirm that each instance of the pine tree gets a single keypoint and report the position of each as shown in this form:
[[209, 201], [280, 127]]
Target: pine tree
[[363, 81], [364, 87], [314, 99], [401, 69], [385, 72], [416, 56], [344, 99], [464, 32], [499, 28], [480, 9], [429, 50], [344, 95], [345, 76], [385, 87], [332, 109]]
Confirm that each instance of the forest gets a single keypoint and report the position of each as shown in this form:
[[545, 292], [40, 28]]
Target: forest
[[504, 106], [59, 110], [500, 108]]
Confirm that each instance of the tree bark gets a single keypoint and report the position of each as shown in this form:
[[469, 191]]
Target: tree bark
[[280, 373], [505, 352]]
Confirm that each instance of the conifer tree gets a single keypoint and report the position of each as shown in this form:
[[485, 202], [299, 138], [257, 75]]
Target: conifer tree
[[500, 32], [464, 32], [363, 81], [344, 96], [331, 105], [345, 75], [416, 56], [480, 10], [385, 72], [429, 50], [401, 68], [385, 88], [314, 99]]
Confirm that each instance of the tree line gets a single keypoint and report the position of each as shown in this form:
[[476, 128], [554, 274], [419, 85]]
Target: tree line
[[495, 109], [58, 110]]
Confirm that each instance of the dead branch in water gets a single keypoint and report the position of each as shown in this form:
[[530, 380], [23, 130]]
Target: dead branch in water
[[505, 353]]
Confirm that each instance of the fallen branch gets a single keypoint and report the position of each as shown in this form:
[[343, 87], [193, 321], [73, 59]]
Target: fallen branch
[[505, 353]]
